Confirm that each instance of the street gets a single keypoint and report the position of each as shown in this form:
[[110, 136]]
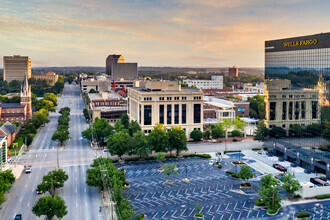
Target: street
[[83, 202]]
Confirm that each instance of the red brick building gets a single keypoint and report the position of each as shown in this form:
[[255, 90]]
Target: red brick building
[[233, 72], [10, 132]]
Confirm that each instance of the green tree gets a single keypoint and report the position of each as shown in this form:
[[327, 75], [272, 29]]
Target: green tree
[[277, 132], [158, 139], [314, 129], [53, 180], [39, 119], [51, 97], [140, 144], [177, 139], [196, 135], [257, 106], [61, 135], [226, 124], [290, 184], [296, 130], [261, 132], [236, 133], [160, 157], [119, 144], [7, 179], [124, 120], [49, 105], [101, 128], [50, 207], [326, 134], [169, 169], [239, 124], [92, 91], [217, 131], [133, 127], [269, 191], [245, 173], [206, 134]]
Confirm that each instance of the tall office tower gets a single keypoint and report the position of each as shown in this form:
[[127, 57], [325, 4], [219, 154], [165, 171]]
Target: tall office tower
[[110, 60], [299, 59], [233, 72], [15, 67]]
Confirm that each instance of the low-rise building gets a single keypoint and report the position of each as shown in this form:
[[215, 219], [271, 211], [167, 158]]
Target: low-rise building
[[50, 76], [168, 103], [111, 114], [9, 131], [259, 88], [216, 82], [106, 99], [285, 106]]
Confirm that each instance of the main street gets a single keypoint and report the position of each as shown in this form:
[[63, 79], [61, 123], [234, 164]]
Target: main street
[[83, 202]]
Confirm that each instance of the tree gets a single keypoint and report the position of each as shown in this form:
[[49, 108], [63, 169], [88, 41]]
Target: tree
[[206, 134], [50, 206], [119, 143], [326, 134], [296, 130], [196, 135], [140, 144], [268, 192], [236, 133], [290, 184], [261, 132], [245, 173], [49, 105], [7, 179], [314, 129], [239, 124], [158, 139], [51, 97], [39, 119], [160, 157], [177, 139], [92, 91], [226, 125], [101, 128], [169, 169], [61, 135], [53, 180], [277, 132], [217, 131], [257, 106], [124, 120], [133, 127]]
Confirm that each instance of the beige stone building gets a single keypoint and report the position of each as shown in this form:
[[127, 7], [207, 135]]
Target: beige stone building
[[285, 106], [51, 76], [15, 67], [167, 103]]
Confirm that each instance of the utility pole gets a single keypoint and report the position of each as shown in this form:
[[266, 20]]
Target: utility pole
[[58, 164]]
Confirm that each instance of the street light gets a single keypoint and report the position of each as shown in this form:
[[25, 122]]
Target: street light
[[186, 179]]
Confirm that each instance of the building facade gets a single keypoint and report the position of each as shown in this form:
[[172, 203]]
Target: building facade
[[114, 58], [216, 82], [233, 72], [167, 103], [16, 67], [51, 76], [305, 56], [3, 151], [285, 106], [124, 70]]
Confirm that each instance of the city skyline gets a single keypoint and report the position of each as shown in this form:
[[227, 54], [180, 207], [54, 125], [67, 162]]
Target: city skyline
[[172, 33]]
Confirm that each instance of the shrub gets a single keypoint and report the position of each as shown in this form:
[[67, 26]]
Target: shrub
[[236, 133], [297, 196], [199, 215], [196, 135], [219, 166], [114, 161], [206, 156], [246, 184], [238, 162], [141, 216], [234, 140], [273, 211], [170, 156], [325, 196], [231, 151], [235, 175], [229, 172], [256, 149], [303, 215], [259, 202], [132, 159], [150, 158]]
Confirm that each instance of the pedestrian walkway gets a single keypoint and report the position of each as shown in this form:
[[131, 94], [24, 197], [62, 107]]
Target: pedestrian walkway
[[261, 164]]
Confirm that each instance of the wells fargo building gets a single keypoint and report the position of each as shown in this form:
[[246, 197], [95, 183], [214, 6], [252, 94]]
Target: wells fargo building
[[307, 55]]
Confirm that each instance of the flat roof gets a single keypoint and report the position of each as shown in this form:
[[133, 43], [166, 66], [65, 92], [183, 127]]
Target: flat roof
[[221, 103], [110, 109], [183, 89], [98, 96]]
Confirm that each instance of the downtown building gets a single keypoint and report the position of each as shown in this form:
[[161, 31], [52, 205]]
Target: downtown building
[[16, 67], [168, 103], [216, 82], [117, 68]]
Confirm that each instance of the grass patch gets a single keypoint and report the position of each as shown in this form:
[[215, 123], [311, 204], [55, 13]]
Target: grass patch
[[231, 151], [219, 166], [325, 196], [235, 175], [303, 215], [205, 156], [141, 216]]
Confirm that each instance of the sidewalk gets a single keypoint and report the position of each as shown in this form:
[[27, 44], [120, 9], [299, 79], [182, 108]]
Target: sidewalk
[[17, 170], [109, 209]]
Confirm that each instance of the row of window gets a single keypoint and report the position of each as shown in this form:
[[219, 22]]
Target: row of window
[[292, 96], [292, 110], [197, 97], [106, 103], [169, 98], [13, 111], [13, 120]]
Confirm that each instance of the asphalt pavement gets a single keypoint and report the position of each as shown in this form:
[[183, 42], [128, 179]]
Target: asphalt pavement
[[83, 202]]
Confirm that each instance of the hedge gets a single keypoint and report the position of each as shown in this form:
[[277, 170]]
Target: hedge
[[150, 158], [259, 202], [325, 196], [170, 156], [231, 151], [114, 161], [229, 172], [199, 215], [132, 159], [303, 215], [235, 175], [256, 149], [206, 156]]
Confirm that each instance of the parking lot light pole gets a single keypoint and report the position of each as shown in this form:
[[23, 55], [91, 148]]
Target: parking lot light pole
[[186, 179]]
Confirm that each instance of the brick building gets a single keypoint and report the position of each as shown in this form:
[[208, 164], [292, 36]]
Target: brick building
[[51, 76]]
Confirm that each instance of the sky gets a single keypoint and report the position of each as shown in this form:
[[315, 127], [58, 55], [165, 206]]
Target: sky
[[180, 33]]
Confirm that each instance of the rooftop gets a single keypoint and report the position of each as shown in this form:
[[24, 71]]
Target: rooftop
[[11, 105], [221, 103], [104, 96], [110, 109]]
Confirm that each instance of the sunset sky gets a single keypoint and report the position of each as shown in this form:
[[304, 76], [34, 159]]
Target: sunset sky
[[194, 33]]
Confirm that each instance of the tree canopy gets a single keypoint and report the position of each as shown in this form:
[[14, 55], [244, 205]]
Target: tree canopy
[[119, 143], [158, 138], [50, 207], [177, 139]]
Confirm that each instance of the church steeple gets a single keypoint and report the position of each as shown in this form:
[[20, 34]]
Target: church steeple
[[26, 97]]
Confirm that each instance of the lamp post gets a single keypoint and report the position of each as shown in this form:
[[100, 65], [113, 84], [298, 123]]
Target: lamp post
[[186, 168]]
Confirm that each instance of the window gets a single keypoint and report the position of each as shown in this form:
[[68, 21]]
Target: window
[[290, 110], [161, 98], [303, 110], [272, 110], [197, 113], [284, 111], [169, 114], [169, 98], [147, 99], [147, 115], [176, 114], [296, 110], [283, 96], [161, 114], [128, 105], [176, 98], [184, 114], [140, 114], [314, 109], [184, 98]]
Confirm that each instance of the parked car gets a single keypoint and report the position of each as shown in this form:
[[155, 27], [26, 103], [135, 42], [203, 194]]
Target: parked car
[[28, 169], [279, 176], [211, 162], [105, 150], [18, 217], [279, 167], [9, 160]]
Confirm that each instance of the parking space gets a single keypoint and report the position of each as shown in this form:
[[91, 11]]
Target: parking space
[[219, 194]]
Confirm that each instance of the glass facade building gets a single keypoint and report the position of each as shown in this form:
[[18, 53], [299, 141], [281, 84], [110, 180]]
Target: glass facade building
[[299, 58]]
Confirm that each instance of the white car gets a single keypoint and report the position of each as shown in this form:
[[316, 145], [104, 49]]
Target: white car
[[211, 162], [28, 169]]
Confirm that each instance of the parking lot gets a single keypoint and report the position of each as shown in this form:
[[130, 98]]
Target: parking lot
[[219, 194]]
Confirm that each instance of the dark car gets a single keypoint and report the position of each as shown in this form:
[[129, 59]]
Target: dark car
[[18, 217]]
